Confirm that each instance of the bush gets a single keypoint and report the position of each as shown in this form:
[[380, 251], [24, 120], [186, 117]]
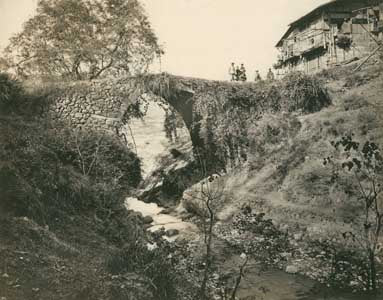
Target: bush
[[354, 102], [328, 74], [260, 238], [10, 90], [354, 80], [344, 42], [343, 266], [22, 99], [305, 93], [152, 264], [49, 171]]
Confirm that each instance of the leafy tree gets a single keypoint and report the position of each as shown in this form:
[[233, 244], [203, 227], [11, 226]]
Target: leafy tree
[[84, 39], [365, 164]]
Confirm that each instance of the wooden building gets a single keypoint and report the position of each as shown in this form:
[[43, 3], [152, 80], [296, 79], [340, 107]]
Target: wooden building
[[333, 33]]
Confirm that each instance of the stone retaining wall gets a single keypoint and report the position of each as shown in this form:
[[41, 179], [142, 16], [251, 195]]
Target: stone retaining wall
[[97, 105]]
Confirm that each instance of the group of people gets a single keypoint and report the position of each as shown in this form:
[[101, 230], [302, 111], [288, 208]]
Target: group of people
[[237, 73], [269, 77]]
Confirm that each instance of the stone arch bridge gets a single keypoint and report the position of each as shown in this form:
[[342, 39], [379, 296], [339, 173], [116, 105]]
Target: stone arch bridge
[[101, 104]]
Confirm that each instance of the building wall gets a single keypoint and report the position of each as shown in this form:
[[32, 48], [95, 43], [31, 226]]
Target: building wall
[[323, 32]]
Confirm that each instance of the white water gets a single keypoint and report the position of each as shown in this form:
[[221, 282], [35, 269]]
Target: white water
[[149, 137], [186, 230]]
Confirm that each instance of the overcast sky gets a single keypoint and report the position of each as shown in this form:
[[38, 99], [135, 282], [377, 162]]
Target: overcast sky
[[201, 37]]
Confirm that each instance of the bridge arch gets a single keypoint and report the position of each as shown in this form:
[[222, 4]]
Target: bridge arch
[[101, 104]]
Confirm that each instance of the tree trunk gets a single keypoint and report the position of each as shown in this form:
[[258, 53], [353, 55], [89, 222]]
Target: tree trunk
[[202, 293], [372, 270]]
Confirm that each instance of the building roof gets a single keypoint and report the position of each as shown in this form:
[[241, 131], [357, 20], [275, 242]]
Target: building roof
[[318, 11], [309, 15]]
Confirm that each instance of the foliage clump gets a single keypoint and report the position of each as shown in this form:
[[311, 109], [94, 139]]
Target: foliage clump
[[82, 39], [267, 244], [47, 170], [363, 164], [227, 113], [151, 259], [344, 42], [10, 90], [305, 93]]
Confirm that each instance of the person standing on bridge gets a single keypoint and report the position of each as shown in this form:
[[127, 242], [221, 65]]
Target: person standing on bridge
[[270, 75], [232, 72], [257, 76], [237, 73], [242, 76]]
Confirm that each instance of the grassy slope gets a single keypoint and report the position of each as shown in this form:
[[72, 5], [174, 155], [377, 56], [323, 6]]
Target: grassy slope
[[40, 264], [289, 182], [72, 246]]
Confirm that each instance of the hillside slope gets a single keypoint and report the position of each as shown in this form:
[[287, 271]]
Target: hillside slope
[[65, 232], [285, 176]]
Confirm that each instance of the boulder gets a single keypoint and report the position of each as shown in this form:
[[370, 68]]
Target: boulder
[[167, 211], [172, 232], [147, 219], [291, 269]]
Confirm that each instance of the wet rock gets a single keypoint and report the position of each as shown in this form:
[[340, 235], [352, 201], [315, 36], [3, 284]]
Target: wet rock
[[151, 247], [147, 219], [292, 269], [167, 211], [175, 153], [146, 226], [136, 214], [172, 232]]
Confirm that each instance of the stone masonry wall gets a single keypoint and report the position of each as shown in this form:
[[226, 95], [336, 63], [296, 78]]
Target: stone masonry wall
[[97, 105]]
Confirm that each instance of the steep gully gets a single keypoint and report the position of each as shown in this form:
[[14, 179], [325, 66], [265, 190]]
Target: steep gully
[[272, 284]]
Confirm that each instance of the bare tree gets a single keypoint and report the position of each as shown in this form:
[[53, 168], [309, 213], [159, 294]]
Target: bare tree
[[210, 193], [87, 160]]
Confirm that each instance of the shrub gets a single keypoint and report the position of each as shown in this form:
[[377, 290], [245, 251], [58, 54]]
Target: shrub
[[305, 93], [354, 80], [364, 164], [344, 42], [23, 98], [267, 242], [343, 266], [10, 90], [328, 74], [354, 102], [153, 264], [43, 174]]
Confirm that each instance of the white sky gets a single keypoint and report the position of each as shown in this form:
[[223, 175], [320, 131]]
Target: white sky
[[201, 37]]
